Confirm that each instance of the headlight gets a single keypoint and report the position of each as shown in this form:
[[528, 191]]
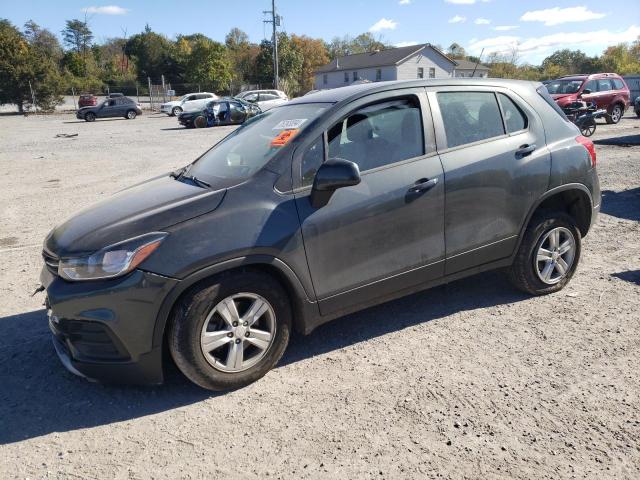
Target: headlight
[[112, 261]]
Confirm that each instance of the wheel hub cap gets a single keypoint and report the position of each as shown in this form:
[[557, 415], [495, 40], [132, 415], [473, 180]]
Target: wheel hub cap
[[238, 332], [555, 255]]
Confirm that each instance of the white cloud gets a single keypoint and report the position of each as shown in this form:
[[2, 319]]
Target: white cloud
[[405, 44], [383, 24], [557, 15], [404, 2], [505, 28], [457, 19], [482, 21], [106, 10], [533, 46]]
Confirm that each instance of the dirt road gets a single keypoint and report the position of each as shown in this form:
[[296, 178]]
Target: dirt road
[[469, 380]]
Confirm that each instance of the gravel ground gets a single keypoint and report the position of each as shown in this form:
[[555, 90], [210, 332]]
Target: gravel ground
[[468, 380]]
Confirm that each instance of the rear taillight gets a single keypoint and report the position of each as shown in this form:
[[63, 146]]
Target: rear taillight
[[591, 148]]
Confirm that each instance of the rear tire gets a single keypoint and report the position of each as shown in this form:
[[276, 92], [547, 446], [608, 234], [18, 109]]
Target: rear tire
[[198, 315], [616, 114], [90, 117], [539, 267]]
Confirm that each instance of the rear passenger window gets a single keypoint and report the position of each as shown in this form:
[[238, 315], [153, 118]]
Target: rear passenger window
[[604, 85], [514, 119], [379, 134], [617, 84], [469, 117], [311, 161]]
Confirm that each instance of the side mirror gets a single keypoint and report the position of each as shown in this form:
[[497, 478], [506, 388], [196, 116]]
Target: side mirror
[[333, 174]]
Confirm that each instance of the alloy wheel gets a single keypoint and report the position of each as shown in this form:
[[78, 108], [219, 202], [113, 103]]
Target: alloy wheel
[[555, 255], [238, 332], [616, 114]]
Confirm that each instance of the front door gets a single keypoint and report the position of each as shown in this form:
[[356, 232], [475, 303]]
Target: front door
[[385, 234], [496, 164]]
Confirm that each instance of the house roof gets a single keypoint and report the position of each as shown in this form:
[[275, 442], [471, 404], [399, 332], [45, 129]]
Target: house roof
[[467, 65], [381, 58]]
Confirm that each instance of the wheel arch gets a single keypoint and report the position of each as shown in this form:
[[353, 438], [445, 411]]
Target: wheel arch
[[301, 307], [574, 199]]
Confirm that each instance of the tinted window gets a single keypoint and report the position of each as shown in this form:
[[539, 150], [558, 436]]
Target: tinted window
[[542, 91], [268, 96], [513, 116], [563, 86], [190, 98], [248, 148], [604, 85], [311, 161], [469, 116], [617, 84], [379, 134], [591, 85]]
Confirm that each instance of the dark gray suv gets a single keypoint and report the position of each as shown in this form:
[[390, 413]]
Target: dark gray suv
[[328, 204]]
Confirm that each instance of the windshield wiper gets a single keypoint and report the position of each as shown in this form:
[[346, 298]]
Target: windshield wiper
[[178, 174]]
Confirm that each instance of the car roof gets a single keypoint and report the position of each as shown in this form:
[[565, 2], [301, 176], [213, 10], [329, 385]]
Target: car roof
[[339, 94]]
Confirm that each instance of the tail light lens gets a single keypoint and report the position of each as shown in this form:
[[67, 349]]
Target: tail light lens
[[591, 148]]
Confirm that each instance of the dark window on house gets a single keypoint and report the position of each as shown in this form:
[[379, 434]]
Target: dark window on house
[[379, 134], [355, 76], [420, 72], [324, 79], [513, 116], [311, 161], [346, 77], [378, 75], [432, 72], [469, 117]]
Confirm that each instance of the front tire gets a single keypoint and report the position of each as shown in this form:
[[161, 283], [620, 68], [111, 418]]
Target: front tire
[[176, 111], [200, 121], [616, 114], [131, 114], [548, 255], [90, 117], [231, 330]]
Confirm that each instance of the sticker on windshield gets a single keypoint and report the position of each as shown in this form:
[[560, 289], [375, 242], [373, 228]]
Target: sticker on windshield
[[283, 138], [290, 124]]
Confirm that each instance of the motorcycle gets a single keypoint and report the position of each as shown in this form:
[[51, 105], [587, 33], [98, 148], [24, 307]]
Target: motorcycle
[[584, 116]]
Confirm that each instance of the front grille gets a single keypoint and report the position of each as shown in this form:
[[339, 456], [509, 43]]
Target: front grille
[[51, 261]]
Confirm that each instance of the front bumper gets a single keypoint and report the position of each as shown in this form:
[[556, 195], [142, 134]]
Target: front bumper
[[104, 330]]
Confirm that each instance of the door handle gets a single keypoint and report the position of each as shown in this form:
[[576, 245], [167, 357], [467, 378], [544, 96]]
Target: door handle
[[423, 185], [524, 150]]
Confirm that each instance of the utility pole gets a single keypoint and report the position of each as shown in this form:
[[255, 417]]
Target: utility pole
[[275, 22]]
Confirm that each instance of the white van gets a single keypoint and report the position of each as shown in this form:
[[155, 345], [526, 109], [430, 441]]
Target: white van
[[191, 101]]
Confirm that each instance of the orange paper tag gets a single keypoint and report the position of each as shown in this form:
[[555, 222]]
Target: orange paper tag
[[283, 138]]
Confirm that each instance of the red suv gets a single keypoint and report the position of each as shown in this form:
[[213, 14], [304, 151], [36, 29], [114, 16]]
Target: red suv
[[607, 90], [87, 100]]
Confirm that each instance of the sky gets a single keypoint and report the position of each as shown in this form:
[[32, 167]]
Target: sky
[[536, 27]]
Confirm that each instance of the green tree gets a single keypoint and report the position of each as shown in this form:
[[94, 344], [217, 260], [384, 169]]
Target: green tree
[[208, 64], [314, 54], [290, 62], [154, 56], [77, 35]]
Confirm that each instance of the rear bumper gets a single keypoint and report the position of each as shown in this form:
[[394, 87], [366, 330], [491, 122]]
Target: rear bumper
[[104, 330]]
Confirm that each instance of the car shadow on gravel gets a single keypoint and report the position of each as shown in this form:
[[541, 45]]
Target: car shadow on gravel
[[632, 276], [38, 396], [624, 204], [624, 141]]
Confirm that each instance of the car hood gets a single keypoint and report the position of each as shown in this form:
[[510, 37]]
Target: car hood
[[560, 96], [147, 207]]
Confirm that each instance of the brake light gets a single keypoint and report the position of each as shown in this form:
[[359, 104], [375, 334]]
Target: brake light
[[591, 148]]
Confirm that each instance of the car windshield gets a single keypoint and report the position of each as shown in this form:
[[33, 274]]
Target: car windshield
[[556, 87], [251, 146]]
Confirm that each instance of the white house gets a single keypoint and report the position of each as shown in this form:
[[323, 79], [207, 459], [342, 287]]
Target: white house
[[465, 68], [402, 63]]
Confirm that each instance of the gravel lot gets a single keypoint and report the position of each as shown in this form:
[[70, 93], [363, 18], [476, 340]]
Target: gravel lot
[[468, 380]]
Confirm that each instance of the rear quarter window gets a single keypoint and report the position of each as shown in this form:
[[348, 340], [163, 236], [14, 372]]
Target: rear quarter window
[[617, 84]]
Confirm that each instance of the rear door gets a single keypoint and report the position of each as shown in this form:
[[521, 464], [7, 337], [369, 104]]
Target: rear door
[[496, 164], [385, 234], [605, 93]]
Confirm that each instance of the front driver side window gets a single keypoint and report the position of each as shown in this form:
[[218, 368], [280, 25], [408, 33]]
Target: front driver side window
[[379, 134]]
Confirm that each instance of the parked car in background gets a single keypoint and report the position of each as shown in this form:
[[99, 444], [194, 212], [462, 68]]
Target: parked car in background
[[111, 107], [636, 106], [607, 90], [87, 100], [224, 111], [265, 99], [303, 215], [190, 101], [115, 95]]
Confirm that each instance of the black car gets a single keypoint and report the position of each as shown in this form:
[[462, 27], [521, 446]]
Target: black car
[[325, 205], [222, 111], [636, 106], [111, 107]]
